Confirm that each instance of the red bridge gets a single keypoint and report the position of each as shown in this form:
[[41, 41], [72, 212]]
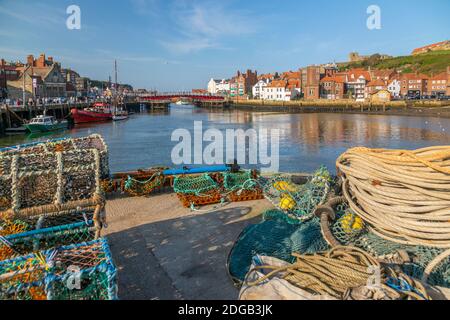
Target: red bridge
[[186, 96]]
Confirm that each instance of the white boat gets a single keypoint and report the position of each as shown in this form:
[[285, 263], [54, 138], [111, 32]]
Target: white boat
[[120, 115], [182, 103]]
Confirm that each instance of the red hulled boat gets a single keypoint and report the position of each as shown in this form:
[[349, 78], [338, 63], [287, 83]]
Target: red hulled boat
[[99, 111]]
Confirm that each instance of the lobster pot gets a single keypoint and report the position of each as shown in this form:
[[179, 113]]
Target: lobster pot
[[82, 271], [31, 241], [197, 190], [242, 186], [94, 141], [53, 178]]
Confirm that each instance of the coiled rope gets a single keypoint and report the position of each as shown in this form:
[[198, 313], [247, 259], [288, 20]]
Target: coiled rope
[[404, 196], [341, 270]]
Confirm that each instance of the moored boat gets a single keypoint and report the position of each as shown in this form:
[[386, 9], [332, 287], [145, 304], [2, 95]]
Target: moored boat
[[120, 115], [100, 111], [45, 124]]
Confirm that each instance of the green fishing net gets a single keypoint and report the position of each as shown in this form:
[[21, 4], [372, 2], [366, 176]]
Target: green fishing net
[[276, 238], [194, 185], [239, 181], [298, 201]]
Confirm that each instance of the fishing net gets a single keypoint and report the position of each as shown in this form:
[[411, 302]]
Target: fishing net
[[31, 241], [53, 178], [242, 186], [299, 201], [82, 271], [350, 230], [197, 185], [274, 237], [197, 190]]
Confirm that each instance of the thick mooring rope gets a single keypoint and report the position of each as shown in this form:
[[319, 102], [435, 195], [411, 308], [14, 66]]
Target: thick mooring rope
[[404, 196], [340, 270]]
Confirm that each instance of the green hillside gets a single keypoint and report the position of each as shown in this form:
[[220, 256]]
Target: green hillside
[[427, 63]]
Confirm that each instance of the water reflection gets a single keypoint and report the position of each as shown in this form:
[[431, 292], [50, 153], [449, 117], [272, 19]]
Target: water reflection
[[306, 140]]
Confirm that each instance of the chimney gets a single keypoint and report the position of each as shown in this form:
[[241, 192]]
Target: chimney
[[30, 60], [41, 61]]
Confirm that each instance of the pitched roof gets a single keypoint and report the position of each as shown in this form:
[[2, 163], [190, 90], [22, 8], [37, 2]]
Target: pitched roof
[[431, 46], [338, 78], [414, 76], [355, 74], [277, 84], [377, 83]]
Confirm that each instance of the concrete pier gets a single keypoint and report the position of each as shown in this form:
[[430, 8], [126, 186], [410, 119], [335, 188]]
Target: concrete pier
[[165, 251]]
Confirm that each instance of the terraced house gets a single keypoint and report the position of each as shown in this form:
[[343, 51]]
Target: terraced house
[[333, 87], [413, 84], [437, 85]]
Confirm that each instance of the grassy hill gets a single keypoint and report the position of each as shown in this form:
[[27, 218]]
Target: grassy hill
[[427, 63]]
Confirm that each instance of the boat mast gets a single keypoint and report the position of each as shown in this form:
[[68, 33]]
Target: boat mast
[[115, 86]]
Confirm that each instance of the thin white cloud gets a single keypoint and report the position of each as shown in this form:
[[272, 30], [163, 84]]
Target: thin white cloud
[[42, 15], [206, 25]]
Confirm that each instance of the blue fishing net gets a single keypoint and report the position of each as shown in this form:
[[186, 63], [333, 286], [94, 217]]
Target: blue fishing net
[[276, 238]]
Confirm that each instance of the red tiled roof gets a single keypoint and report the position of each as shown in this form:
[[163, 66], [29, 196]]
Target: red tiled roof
[[277, 84], [354, 74], [431, 46], [338, 78], [413, 76], [376, 83]]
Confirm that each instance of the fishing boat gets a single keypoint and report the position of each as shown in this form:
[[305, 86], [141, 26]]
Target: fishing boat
[[120, 115], [182, 103], [98, 112], [44, 123]]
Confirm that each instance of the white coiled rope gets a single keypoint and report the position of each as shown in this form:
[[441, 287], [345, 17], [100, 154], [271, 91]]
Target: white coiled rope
[[404, 196]]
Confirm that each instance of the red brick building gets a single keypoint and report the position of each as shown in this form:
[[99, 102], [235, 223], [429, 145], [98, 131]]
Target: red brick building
[[312, 85], [333, 87], [243, 83], [437, 85], [413, 84], [374, 86]]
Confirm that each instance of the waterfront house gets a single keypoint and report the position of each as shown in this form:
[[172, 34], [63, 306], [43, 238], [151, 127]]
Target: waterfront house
[[356, 83], [42, 77], [413, 84], [281, 90], [257, 89], [394, 87], [219, 86], [242, 84], [374, 86], [381, 96], [333, 87], [437, 85], [312, 85]]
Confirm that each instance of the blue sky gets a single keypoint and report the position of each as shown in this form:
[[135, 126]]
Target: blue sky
[[181, 44]]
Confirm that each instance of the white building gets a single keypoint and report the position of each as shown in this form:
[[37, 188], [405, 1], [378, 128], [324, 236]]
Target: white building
[[258, 88], [357, 80], [279, 90], [394, 87], [218, 86]]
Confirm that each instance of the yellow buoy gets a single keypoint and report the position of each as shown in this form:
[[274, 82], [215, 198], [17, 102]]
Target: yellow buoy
[[287, 203], [351, 222], [284, 186]]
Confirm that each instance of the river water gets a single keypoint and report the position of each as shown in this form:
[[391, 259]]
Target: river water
[[306, 141]]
